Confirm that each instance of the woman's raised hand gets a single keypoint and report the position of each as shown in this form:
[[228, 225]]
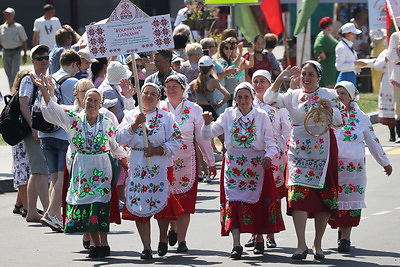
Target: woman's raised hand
[[208, 118], [128, 90]]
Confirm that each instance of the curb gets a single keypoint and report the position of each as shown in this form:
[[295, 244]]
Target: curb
[[7, 184]]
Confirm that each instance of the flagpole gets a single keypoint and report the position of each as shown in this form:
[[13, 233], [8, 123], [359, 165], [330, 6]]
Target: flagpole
[[304, 44], [139, 97], [287, 55]]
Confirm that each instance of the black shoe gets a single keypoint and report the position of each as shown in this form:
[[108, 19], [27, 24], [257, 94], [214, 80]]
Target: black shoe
[[172, 238], [146, 254], [18, 209], [270, 243], [319, 256], [86, 244], [182, 248], [392, 135], [106, 250], [162, 248], [236, 253], [95, 252], [250, 243], [259, 248], [300, 256], [344, 245]]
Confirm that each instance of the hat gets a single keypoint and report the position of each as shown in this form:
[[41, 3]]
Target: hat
[[351, 89], [128, 59], [325, 21], [179, 78], [205, 61], [85, 54], [263, 73], [116, 72], [350, 27], [176, 58], [245, 85], [9, 10], [33, 50]]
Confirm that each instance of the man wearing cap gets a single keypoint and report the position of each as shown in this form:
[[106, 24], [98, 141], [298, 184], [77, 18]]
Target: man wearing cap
[[45, 27], [162, 60], [12, 38], [117, 90], [86, 61], [37, 183], [346, 57]]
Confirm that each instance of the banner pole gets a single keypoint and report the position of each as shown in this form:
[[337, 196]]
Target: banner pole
[[139, 94]]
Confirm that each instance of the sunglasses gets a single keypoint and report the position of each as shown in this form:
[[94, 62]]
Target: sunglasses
[[234, 43], [228, 48], [140, 66], [42, 58], [177, 63]]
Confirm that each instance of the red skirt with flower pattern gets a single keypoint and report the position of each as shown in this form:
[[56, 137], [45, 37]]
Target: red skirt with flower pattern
[[315, 200], [347, 218], [263, 217], [170, 212]]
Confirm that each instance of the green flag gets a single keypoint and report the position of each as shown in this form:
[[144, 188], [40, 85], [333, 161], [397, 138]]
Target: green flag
[[307, 9], [246, 22]]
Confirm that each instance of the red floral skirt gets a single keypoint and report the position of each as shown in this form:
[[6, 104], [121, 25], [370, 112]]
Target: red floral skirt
[[262, 217], [315, 200], [170, 212], [347, 218]]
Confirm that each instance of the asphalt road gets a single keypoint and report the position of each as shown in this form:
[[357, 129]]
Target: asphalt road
[[374, 243]]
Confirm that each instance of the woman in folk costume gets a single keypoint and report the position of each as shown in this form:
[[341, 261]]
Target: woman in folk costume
[[386, 112], [352, 138], [148, 191], [312, 161], [188, 116], [281, 128], [93, 135], [393, 56], [248, 196]]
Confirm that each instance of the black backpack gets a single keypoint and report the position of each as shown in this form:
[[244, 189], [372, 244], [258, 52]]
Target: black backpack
[[13, 126], [38, 121]]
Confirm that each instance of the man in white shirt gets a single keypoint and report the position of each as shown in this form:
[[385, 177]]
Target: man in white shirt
[[45, 27], [12, 38]]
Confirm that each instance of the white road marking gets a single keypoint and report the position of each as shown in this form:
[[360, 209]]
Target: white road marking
[[382, 212]]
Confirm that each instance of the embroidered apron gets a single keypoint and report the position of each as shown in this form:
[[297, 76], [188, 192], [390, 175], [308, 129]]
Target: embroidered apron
[[308, 158], [184, 169], [90, 179], [244, 174]]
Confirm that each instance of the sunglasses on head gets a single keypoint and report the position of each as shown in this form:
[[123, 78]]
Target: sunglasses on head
[[42, 58], [228, 47]]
